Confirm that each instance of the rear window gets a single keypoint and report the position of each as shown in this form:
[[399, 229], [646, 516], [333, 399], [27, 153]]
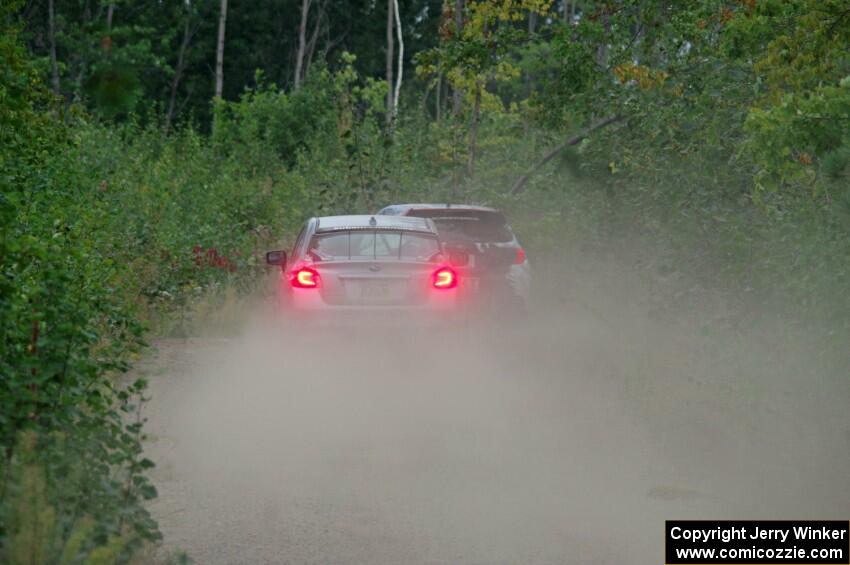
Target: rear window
[[468, 225], [365, 244]]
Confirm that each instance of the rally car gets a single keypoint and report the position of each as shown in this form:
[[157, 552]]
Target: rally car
[[350, 268], [498, 268]]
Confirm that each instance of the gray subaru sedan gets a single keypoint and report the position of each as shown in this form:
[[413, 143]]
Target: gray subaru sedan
[[348, 268]]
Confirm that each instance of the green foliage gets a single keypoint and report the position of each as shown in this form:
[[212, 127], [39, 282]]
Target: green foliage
[[128, 67], [329, 134], [799, 127], [105, 64], [101, 229], [32, 533], [478, 52], [267, 117], [731, 155], [37, 532]]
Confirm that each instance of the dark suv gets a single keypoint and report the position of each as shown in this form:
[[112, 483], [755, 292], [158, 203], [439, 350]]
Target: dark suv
[[498, 271]]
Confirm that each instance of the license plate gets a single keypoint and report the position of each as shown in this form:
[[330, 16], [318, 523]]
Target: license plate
[[374, 289], [472, 284]]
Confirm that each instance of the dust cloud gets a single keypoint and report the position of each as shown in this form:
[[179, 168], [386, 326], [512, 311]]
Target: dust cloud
[[568, 439]]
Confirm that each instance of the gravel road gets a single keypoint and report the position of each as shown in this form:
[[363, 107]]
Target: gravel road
[[569, 442]]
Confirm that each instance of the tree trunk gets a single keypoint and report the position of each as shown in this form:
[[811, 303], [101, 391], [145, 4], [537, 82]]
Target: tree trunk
[[109, 13], [331, 44], [178, 74], [314, 38], [302, 41], [400, 58], [390, 61], [519, 185], [219, 55], [532, 27], [602, 48], [27, 15], [439, 105], [51, 31], [457, 97], [473, 130]]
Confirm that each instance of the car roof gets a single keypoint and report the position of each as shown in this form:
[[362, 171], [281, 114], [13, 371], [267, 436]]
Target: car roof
[[472, 207], [361, 222]]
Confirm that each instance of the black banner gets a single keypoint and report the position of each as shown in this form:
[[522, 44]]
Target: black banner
[[762, 542]]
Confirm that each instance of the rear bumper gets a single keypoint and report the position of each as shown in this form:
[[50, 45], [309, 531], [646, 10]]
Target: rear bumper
[[519, 279], [501, 292], [305, 308], [401, 319]]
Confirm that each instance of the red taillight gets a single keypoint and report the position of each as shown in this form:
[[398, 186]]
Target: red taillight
[[520, 256], [305, 277], [445, 278]]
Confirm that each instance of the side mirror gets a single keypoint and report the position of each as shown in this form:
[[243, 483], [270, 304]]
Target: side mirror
[[276, 258], [458, 258]]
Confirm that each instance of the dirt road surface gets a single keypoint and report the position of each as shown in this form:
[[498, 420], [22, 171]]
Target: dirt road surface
[[567, 442]]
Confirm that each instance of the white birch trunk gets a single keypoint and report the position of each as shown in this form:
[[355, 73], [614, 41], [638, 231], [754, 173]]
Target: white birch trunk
[[390, 62], [456, 93], [51, 30], [302, 38], [400, 59], [219, 55]]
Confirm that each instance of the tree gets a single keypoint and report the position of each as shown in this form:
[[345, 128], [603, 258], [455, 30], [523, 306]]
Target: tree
[[400, 58], [520, 183], [390, 61], [314, 37], [457, 95], [95, 55], [117, 58], [478, 50], [798, 130], [302, 41], [54, 66], [219, 53], [189, 30]]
